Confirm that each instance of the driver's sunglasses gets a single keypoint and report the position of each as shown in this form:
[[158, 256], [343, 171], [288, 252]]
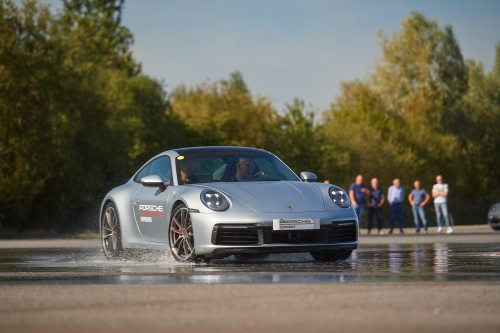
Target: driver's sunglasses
[[251, 165]]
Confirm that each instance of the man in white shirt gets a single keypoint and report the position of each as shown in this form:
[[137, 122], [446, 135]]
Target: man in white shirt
[[440, 194]]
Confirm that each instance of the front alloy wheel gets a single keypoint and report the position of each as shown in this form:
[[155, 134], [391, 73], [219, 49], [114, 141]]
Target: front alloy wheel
[[181, 236]]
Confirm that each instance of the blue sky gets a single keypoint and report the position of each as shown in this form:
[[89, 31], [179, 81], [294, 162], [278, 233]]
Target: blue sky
[[293, 48]]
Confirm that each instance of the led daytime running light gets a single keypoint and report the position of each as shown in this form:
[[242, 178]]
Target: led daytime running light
[[214, 200], [339, 197]]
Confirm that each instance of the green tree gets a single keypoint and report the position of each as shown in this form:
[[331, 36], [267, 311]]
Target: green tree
[[297, 144], [225, 113], [453, 82], [406, 102], [77, 117], [482, 140], [94, 35]]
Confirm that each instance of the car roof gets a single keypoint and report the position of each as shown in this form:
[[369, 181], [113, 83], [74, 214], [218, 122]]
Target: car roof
[[229, 149]]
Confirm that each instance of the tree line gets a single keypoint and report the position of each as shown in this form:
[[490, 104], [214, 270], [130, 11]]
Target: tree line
[[78, 116]]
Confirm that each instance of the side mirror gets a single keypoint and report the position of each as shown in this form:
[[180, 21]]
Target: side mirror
[[308, 177], [153, 181]]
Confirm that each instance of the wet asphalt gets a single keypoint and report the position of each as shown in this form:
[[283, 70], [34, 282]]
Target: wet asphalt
[[398, 283], [390, 262]]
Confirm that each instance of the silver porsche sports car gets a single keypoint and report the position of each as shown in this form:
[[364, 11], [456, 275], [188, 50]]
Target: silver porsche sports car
[[212, 202]]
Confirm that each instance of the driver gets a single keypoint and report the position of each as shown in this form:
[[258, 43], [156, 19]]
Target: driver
[[244, 170], [187, 176]]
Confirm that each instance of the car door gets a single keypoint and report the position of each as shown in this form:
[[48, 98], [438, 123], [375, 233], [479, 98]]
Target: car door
[[150, 203]]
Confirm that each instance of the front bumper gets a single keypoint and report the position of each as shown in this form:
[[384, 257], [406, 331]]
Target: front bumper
[[221, 235], [494, 221]]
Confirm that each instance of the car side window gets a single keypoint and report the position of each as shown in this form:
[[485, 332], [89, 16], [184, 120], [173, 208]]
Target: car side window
[[162, 167], [143, 173]]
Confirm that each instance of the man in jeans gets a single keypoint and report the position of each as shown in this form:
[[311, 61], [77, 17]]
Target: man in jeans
[[395, 196], [418, 198], [440, 194], [358, 195], [376, 201]]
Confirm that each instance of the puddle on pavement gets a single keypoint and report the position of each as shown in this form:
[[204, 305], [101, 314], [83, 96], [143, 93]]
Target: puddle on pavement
[[370, 263]]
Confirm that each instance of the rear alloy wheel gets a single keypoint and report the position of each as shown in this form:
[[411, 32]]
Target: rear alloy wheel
[[181, 237], [111, 239], [331, 255]]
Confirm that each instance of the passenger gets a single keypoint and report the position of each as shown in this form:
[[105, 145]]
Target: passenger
[[418, 198], [376, 201], [187, 176], [395, 196]]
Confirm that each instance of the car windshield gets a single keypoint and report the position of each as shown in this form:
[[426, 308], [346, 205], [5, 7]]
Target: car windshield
[[209, 167]]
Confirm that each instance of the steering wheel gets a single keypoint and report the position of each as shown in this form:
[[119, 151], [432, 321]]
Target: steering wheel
[[259, 174]]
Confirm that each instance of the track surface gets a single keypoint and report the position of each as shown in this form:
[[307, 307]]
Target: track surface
[[433, 283], [411, 307]]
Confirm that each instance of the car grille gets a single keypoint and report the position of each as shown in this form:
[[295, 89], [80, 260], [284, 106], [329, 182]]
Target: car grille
[[342, 232], [493, 220], [295, 237], [226, 236], [249, 235]]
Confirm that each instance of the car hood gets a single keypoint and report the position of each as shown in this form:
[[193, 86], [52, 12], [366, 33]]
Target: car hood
[[275, 196]]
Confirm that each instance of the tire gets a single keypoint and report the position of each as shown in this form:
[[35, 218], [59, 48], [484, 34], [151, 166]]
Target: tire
[[331, 255], [181, 238], [497, 228], [251, 256], [111, 239]]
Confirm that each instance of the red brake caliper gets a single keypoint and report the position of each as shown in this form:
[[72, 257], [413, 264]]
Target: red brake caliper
[[180, 235]]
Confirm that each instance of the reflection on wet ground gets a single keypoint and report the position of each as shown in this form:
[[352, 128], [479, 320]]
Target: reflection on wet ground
[[370, 263]]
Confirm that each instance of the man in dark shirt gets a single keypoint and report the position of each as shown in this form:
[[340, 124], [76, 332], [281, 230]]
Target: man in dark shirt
[[358, 195], [377, 199]]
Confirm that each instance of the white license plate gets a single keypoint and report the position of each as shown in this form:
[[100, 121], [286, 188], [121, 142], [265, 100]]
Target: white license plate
[[295, 224]]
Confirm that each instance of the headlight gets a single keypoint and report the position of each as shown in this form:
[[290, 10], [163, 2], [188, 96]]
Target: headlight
[[339, 196], [214, 200]]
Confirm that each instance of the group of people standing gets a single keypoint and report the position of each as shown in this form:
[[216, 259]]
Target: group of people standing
[[374, 198]]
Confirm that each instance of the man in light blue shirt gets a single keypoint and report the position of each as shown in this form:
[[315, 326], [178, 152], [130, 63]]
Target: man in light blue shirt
[[418, 198], [395, 196]]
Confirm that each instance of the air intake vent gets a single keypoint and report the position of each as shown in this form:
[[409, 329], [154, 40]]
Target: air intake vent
[[227, 236], [342, 232]]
